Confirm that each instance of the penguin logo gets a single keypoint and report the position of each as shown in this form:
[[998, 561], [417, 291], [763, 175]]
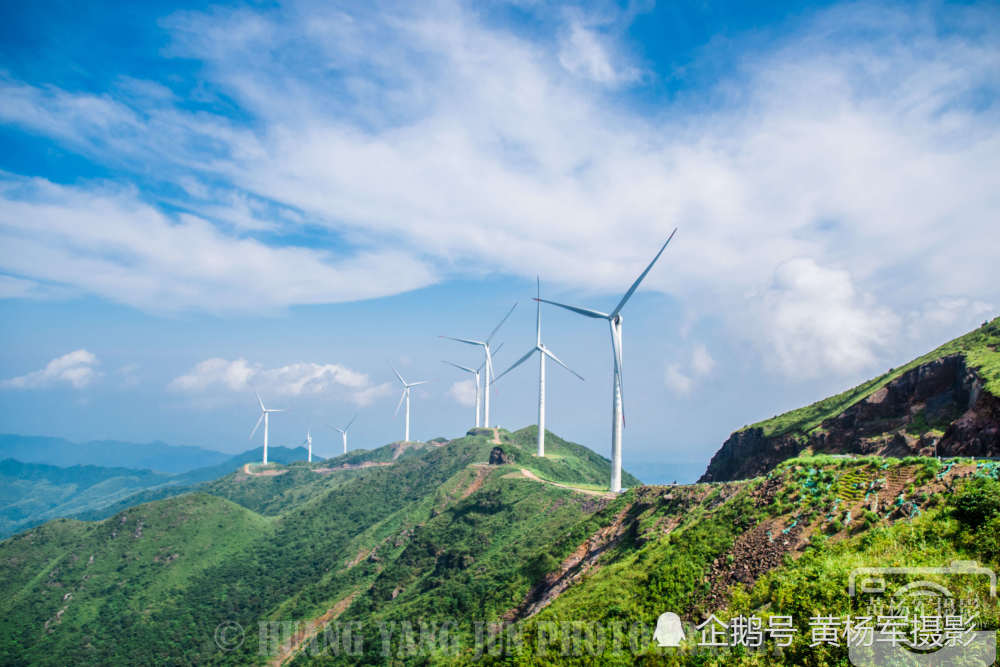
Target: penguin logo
[[668, 630]]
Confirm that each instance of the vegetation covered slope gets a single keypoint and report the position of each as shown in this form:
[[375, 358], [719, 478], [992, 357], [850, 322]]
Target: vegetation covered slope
[[980, 348], [782, 545], [946, 402], [387, 538]]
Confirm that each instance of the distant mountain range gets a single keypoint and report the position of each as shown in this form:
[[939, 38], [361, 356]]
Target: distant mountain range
[[32, 493], [158, 456]]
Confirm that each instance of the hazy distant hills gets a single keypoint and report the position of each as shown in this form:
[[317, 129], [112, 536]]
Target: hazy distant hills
[[157, 456], [32, 493]]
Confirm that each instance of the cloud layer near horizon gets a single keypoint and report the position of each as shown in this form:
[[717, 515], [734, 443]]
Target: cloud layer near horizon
[[837, 181]]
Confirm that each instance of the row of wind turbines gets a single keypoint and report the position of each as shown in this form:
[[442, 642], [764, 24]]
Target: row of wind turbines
[[484, 382]]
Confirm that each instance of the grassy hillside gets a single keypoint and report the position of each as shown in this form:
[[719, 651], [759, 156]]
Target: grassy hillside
[[381, 541], [980, 347], [720, 549]]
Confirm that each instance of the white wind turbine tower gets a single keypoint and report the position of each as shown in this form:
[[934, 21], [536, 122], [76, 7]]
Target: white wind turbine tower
[[309, 442], [485, 344], [542, 353], [406, 396], [343, 431], [614, 318], [264, 412], [476, 373]]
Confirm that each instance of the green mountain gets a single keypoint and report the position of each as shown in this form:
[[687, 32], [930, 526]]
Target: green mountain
[[475, 551], [396, 530], [32, 493], [946, 402]]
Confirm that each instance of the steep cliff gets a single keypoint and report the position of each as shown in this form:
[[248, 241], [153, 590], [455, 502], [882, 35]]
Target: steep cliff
[[944, 403]]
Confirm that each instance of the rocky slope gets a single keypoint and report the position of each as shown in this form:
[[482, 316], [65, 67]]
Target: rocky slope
[[942, 404]]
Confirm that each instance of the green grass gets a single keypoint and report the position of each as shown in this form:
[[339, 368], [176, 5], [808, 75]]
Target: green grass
[[980, 347]]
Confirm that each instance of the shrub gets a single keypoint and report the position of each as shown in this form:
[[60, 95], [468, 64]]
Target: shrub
[[978, 502]]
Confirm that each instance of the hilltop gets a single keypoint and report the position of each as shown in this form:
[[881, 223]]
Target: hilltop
[[392, 529], [946, 402]]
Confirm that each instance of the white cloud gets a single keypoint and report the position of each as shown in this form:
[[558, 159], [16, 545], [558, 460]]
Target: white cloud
[[677, 381], [702, 362], [818, 323], [111, 243], [860, 141], [76, 368], [585, 53], [292, 380], [464, 392]]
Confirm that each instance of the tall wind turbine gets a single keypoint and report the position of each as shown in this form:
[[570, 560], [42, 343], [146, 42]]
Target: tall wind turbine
[[406, 396], [614, 318], [264, 412], [542, 353], [485, 344], [343, 431]]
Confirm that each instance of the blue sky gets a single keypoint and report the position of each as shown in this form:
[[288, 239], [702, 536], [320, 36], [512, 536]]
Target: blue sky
[[197, 200]]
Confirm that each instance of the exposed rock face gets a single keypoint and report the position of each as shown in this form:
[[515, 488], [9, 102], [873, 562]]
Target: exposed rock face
[[499, 457], [903, 418]]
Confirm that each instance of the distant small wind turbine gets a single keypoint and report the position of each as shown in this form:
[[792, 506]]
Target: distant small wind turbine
[[485, 344], [309, 442], [343, 431], [614, 318], [406, 396], [476, 373], [264, 412], [542, 353]]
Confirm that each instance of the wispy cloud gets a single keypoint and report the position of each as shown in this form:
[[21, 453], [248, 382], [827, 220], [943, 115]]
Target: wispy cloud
[[463, 392], [77, 369], [860, 150], [296, 379]]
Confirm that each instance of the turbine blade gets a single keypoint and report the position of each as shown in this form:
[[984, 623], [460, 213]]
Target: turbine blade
[[256, 426], [547, 352], [260, 401], [464, 340], [351, 422], [397, 374], [582, 311], [635, 285], [414, 384], [464, 368], [400, 404], [497, 327], [342, 430], [275, 410], [538, 311], [516, 364]]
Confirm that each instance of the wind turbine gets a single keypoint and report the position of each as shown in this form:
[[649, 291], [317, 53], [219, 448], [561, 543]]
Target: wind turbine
[[406, 395], [614, 319], [542, 353], [343, 431], [476, 373], [485, 344], [309, 442], [264, 412]]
